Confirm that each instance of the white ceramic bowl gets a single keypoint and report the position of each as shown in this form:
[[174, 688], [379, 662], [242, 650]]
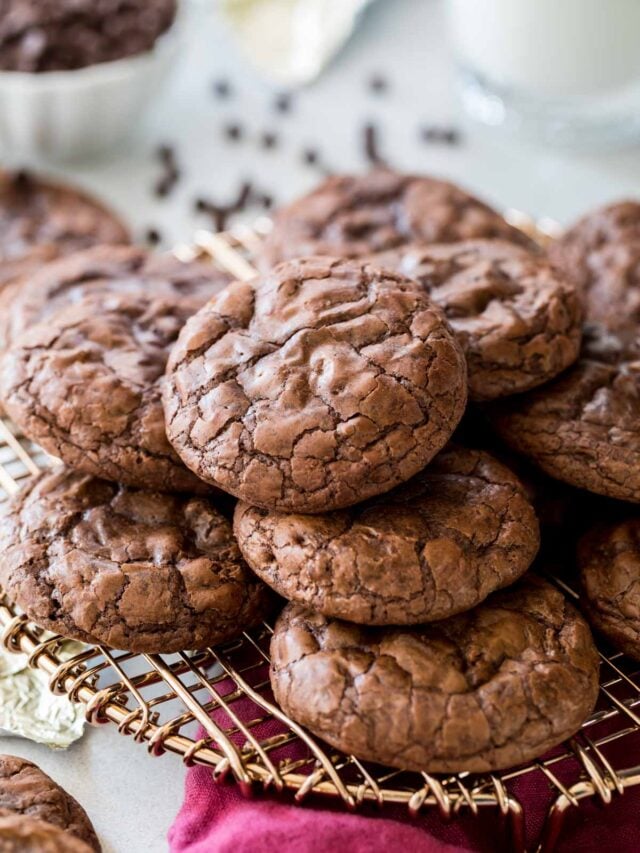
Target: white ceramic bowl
[[67, 115]]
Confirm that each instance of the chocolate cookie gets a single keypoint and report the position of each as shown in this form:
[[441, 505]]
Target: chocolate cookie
[[40, 220], [484, 690], [85, 383], [25, 834], [60, 35], [26, 790], [314, 387], [609, 562], [99, 270], [612, 224], [519, 321], [135, 570], [435, 546], [601, 254], [355, 215], [584, 427]]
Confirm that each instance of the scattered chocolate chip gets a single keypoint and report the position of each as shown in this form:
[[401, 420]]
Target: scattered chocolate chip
[[310, 156], [378, 84], [439, 135], [371, 146], [171, 173], [220, 213], [233, 132], [268, 139], [266, 201], [166, 154], [222, 88], [282, 103], [153, 237]]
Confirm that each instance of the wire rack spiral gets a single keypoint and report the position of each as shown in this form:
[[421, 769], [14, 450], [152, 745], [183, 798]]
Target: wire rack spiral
[[167, 701]]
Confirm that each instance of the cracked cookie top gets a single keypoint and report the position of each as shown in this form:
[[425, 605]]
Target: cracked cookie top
[[480, 691], [40, 220], [26, 790], [435, 546], [609, 562], [518, 320], [103, 269], [134, 570], [85, 382], [584, 427], [21, 833], [355, 215], [578, 251], [601, 254], [314, 387]]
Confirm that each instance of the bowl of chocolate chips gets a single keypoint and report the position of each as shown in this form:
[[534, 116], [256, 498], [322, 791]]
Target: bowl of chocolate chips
[[75, 75]]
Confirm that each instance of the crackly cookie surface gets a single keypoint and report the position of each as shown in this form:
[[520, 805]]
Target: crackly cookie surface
[[601, 254], [26, 790], [487, 689], [21, 833], [584, 427], [609, 562], [434, 546], [40, 220], [135, 570], [518, 320], [103, 269], [314, 387], [354, 215], [85, 383]]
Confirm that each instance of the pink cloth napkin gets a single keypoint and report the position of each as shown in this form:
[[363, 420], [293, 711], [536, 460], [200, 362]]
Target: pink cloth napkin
[[216, 818]]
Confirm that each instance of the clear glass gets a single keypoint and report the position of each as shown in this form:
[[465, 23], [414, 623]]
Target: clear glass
[[566, 71]]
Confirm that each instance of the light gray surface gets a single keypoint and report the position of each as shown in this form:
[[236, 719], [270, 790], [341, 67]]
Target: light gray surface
[[131, 797]]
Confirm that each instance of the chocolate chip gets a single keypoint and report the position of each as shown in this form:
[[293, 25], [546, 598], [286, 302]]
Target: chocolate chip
[[439, 135], [378, 84], [152, 236], [220, 213], [233, 132], [222, 88], [371, 146], [282, 103], [171, 173], [310, 156], [268, 139]]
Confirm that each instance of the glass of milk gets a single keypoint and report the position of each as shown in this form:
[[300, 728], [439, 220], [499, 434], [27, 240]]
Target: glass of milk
[[567, 71]]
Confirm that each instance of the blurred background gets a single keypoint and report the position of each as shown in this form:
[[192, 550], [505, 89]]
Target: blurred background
[[254, 111]]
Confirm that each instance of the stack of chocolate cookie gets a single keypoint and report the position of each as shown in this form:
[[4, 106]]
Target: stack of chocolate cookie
[[326, 395]]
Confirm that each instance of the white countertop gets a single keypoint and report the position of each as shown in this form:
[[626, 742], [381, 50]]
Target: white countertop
[[131, 797]]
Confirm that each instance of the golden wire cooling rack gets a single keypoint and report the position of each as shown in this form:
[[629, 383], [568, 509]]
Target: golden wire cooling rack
[[167, 701]]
